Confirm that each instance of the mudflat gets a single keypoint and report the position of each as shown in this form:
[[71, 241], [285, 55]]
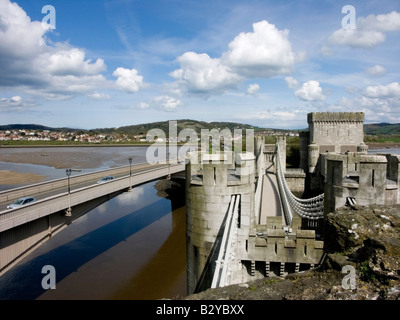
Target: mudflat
[[59, 158], [11, 177]]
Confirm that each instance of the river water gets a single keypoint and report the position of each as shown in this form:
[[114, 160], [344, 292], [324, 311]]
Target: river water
[[131, 247]]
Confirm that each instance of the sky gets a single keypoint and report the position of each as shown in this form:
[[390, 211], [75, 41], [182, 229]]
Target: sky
[[111, 63]]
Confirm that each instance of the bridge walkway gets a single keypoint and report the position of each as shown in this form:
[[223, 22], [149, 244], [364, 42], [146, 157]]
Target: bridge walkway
[[271, 205]]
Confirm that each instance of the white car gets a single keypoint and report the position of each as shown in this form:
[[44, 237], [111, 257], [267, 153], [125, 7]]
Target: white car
[[21, 202], [105, 179]]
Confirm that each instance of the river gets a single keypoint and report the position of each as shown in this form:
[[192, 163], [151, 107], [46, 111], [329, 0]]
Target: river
[[131, 247]]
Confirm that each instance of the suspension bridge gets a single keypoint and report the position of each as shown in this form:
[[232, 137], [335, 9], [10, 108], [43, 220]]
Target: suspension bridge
[[280, 242]]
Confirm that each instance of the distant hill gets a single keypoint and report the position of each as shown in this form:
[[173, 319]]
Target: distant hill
[[33, 127], [369, 129], [382, 129], [181, 124], [145, 127]]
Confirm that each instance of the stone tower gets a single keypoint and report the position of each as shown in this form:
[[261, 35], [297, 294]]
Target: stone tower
[[211, 180], [329, 132]]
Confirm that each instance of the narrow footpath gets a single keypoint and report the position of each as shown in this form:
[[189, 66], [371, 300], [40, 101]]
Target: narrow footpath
[[270, 200]]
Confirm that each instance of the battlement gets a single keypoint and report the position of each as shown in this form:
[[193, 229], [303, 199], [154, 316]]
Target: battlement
[[335, 117], [364, 179], [222, 169], [275, 244]]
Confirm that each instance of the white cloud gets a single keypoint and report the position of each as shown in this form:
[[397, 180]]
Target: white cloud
[[380, 103], [166, 103], [99, 96], [376, 70], [31, 65], [292, 83], [310, 91], [143, 105], [265, 52], [128, 80], [253, 88], [70, 61], [326, 51], [276, 118], [19, 36], [53, 72], [14, 104], [369, 32], [357, 38], [390, 90], [200, 73], [381, 22], [163, 103]]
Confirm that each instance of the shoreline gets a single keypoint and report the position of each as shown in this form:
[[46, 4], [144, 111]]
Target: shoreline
[[72, 145], [382, 145]]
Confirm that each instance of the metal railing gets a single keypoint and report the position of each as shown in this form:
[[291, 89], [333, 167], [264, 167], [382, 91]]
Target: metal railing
[[226, 253]]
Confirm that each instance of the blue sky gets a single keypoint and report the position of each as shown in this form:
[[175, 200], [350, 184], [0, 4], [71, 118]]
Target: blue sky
[[112, 63]]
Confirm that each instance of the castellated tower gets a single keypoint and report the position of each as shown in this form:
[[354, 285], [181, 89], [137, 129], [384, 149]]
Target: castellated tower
[[211, 181], [329, 132], [337, 132]]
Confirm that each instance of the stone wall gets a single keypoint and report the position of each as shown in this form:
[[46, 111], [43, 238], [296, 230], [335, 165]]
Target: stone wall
[[336, 131], [295, 179], [365, 179], [290, 247]]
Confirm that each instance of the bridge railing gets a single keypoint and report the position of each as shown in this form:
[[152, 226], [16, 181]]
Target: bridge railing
[[226, 254], [60, 202], [258, 193]]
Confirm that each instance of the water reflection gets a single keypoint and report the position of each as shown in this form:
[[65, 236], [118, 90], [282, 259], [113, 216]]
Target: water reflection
[[132, 247]]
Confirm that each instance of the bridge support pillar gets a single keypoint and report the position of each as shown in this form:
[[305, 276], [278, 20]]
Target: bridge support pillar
[[68, 212]]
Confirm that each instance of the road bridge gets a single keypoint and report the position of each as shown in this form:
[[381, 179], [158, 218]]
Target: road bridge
[[61, 201]]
